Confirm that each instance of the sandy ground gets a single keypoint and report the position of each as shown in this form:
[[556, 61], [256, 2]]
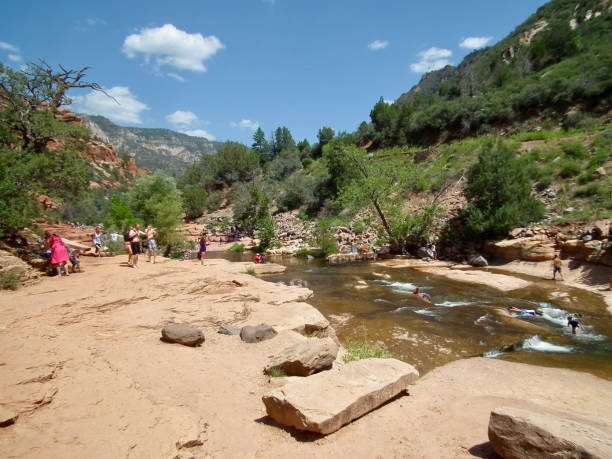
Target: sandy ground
[[82, 364]]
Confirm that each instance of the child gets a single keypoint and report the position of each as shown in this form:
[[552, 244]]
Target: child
[[74, 260]]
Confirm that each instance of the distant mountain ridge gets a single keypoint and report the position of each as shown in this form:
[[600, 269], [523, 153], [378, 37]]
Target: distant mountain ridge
[[156, 149]]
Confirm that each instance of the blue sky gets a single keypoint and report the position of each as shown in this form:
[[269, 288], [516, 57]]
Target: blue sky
[[221, 68]]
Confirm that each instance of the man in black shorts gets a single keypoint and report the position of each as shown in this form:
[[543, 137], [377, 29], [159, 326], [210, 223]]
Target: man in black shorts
[[135, 234]]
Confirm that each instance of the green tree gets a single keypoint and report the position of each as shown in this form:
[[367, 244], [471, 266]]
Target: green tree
[[252, 214], [260, 145], [325, 135], [499, 193], [195, 201], [157, 200], [234, 162], [283, 139], [32, 96], [119, 214]]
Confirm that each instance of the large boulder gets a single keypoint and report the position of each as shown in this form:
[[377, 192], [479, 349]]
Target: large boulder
[[326, 401], [254, 334], [182, 334], [535, 248], [306, 357], [518, 433]]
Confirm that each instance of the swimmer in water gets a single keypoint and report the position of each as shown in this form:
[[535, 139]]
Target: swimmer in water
[[525, 312], [574, 323]]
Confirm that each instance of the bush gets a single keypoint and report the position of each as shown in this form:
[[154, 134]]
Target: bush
[[592, 189], [239, 248], [569, 168], [575, 150], [360, 226], [499, 194], [301, 252], [250, 272], [9, 281], [362, 349]]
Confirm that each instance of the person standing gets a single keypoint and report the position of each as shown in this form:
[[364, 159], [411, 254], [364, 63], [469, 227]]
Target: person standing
[[202, 251], [574, 323], [557, 266], [97, 242], [151, 244], [134, 235], [128, 244]]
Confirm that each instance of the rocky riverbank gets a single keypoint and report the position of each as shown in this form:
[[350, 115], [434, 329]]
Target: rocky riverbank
[[84, 373]]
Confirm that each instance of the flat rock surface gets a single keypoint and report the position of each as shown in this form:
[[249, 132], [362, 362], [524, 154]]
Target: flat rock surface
[[324, 402], [515, 432], [82, 364]]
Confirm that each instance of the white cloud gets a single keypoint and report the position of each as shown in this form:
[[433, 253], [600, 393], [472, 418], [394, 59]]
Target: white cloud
[[177, 77], [14, 57], [432, 59], [170, 46], [199, 133], [8, 47], [126, 108], [246, 124], [378, 44], [475, 42], [181, 118]]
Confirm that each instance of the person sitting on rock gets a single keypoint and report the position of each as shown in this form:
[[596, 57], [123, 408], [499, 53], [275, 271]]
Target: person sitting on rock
[[416, 291], [258, 259]]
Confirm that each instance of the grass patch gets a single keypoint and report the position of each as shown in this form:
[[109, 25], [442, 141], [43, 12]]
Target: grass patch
[[569, 168], [362, 349], [239, 248], [9, 281], [250, 272], [276, 372]]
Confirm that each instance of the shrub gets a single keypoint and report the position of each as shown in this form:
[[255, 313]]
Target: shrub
[[9, 281], [239, 248], [362, 349], [360, 226], [301, 252], [575, 149], [277, 372], [250, 272], [592, 189], [569, 168]]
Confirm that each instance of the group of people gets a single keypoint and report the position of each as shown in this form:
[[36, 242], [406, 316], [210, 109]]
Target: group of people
[[133, 244], [59, 255], [572, 321]]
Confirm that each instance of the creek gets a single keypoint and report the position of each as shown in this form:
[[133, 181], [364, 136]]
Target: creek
[[463, 320]]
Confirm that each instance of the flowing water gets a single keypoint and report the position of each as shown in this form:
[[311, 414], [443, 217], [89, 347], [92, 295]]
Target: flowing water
[[463, 320]]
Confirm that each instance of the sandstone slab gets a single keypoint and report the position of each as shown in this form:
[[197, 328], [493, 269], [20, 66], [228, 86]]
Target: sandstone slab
[[326, 401], [518, 433], [306, 357], [7, 416], [182, 334]]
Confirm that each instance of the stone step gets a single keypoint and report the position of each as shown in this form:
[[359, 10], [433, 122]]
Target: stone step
[[326, 401]]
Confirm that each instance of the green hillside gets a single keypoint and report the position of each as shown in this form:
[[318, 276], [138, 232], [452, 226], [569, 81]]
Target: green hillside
[[554, 68]]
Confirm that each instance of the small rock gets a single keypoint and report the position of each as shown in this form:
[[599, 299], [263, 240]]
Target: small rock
[[254, 334], [424, 252], [516, 232], [478, 260], [306, 357], [552, 194], [7, 416], [600, 172], [182, 334], [569, 210], [228, 330], [587, 238]]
